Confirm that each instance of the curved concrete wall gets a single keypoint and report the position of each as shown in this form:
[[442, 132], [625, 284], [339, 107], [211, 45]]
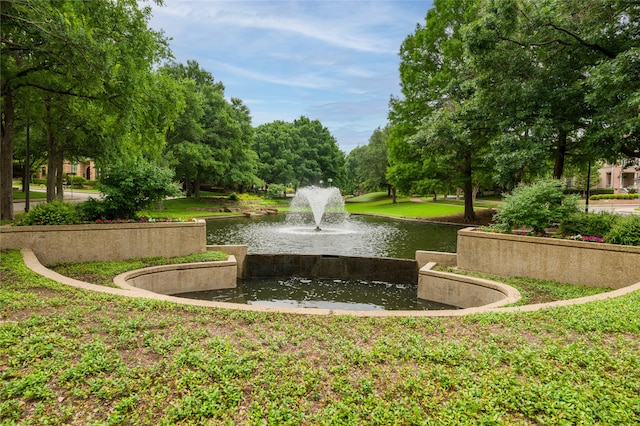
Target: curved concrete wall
[[31, 261], [463, 291], [182, 277]]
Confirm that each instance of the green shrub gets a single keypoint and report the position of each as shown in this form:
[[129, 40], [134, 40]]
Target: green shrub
[[92, 210], [590, 224], [77, 181], [630, 196], [626, 231], [276, 191], [53, 213], [129, 186], [233, 197], [535, 206]]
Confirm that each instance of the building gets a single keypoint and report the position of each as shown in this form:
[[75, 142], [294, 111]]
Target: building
[[620, 177], [86, 169]]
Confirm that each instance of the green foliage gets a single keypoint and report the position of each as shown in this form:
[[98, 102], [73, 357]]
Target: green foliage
[[233, 197], [83, 73], [74, 354], [589, 224], [626, 231], [299, 153], [53, 213], [77, 181], [366, 166], [536, 206], [629, 196], [276, 191], [132, 185]]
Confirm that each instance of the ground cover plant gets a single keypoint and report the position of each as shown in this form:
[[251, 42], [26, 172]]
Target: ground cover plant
[[534, 290], [71, 356]]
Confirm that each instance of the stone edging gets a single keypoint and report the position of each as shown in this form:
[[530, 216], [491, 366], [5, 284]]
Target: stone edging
[[32, 262]]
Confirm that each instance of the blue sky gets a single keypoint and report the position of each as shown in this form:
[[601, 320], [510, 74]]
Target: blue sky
[[335, 61]]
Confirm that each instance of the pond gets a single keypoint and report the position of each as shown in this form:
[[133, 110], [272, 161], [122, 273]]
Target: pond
[[337, 235], [358, 236], [296, 292]]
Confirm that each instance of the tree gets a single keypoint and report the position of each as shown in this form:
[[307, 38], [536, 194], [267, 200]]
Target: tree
[[243, 164], [211, 139], [560, 77], [368, 164], [300, 153], [274, 145], [319, 155], [439, 122], [95, 51]]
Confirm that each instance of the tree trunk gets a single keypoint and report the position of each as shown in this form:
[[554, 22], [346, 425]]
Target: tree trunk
[[393, 194], [187, 186], [59, 175], [54, 169], [560, 154], [467, 187], [6, 158], [196, 188]]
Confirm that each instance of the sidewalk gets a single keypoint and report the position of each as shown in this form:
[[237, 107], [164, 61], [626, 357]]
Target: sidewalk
[[623, 207], [69, 197]]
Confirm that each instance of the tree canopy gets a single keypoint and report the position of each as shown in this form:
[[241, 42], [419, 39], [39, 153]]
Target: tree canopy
[[89, 59], [300, 153], [500, 91]]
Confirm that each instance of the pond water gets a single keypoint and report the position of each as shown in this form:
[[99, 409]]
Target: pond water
[[358, 236], [340, 235], [321, 293]]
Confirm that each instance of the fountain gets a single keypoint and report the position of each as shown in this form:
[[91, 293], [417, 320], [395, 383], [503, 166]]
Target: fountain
[[312, 205], [319, 256]]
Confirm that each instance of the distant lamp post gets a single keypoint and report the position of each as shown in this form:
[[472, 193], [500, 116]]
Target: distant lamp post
[[329, 180], [321, 182]]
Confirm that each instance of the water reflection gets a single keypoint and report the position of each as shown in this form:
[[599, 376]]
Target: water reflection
[[321, 293], [358, 236]]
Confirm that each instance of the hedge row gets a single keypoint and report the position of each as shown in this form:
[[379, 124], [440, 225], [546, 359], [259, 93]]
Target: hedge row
[[614, 197]]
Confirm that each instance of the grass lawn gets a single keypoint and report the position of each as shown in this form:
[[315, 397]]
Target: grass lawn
[[207, 206], [20, 195], [377, 203], [403, 208], [70, 356]]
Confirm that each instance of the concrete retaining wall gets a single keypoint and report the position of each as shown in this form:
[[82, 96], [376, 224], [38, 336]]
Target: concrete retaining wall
[[463, 291], [182, 278], [576, 262], [399, 271], [238, 251], [102, 242], [441, 258]]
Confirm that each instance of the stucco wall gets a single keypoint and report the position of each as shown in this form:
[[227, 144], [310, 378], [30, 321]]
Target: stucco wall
[[102, 242], [576, 262], [182, 278]]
